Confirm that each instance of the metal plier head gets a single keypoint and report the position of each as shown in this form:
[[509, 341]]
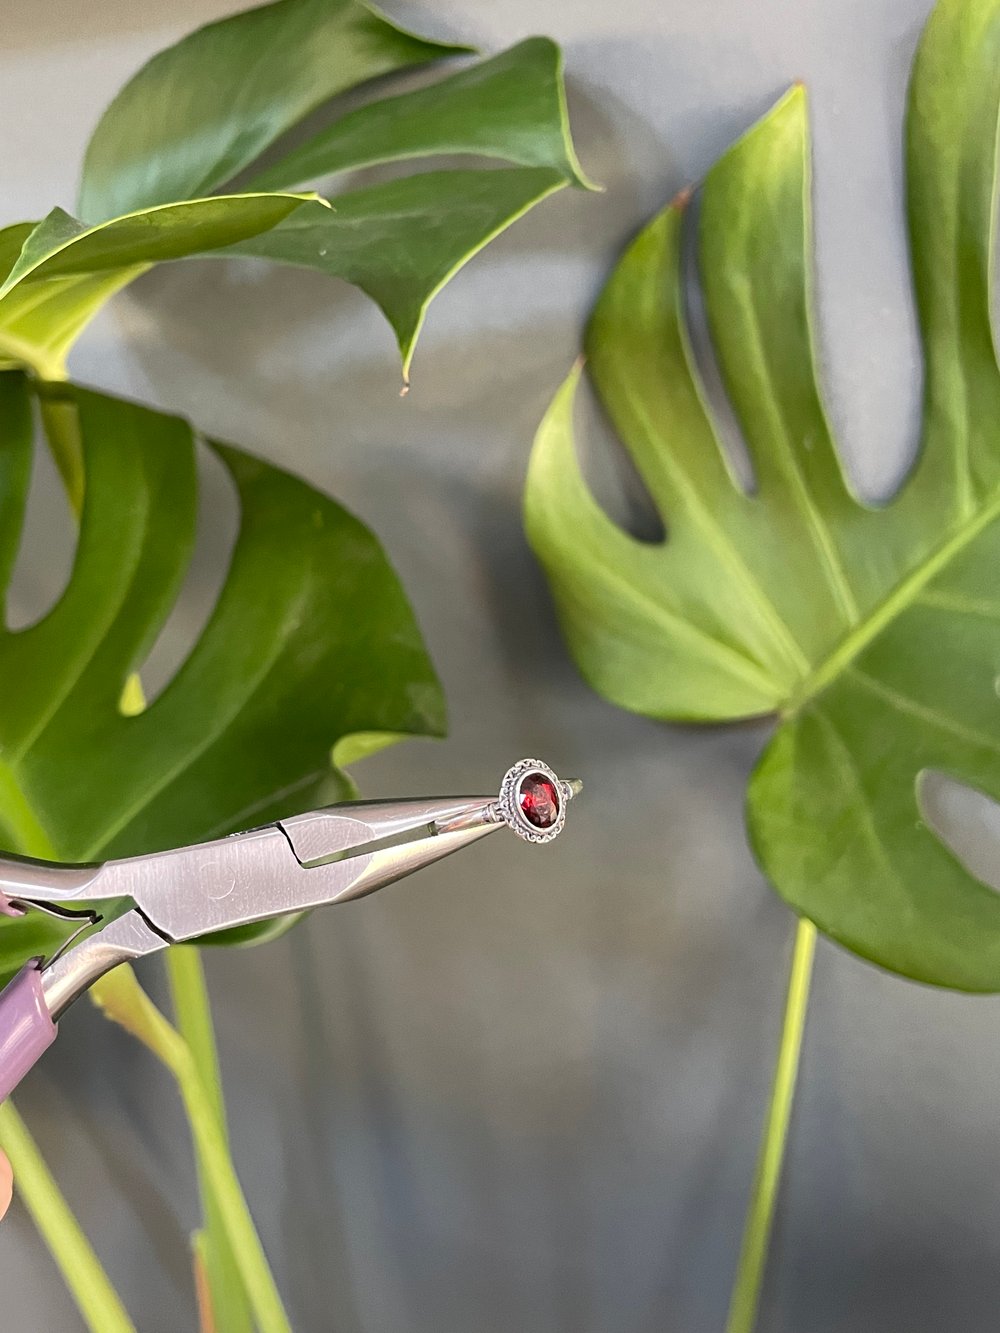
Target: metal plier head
[[308, 860]]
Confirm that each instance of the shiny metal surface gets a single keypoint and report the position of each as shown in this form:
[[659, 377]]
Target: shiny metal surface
[[125, 939], [318, 835], [23, 877], [255, 876], [308, 860]]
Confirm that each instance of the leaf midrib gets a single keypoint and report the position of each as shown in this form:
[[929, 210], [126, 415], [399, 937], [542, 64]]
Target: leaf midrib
[[900, 597], [848, 764], [717, 538], [732, 659], [819, 530]]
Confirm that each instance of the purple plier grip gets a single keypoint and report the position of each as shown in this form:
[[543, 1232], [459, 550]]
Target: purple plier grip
[[26, 1027]]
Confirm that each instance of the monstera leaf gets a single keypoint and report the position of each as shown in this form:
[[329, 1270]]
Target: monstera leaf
[[65, 270], [310, 644], [205, 109], [874, 633], [203, 112]]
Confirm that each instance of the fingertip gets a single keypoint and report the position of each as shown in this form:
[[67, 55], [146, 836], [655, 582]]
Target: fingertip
[[6, 1184]]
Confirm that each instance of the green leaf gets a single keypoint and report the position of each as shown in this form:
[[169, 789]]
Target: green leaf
[[873, 632], [402, 241], [512, 107], [65, 270], [12, 241], [311, 640], [62, 247], [204, 109]]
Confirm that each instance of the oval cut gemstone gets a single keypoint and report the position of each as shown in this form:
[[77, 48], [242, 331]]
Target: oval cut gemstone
[[539, 800]]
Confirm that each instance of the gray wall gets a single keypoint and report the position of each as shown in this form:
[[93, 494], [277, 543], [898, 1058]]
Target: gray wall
[[522, 1095]]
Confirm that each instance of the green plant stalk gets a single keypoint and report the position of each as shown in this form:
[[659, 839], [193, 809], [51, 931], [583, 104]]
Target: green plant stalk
[[745, 1300], [96, 1299], [123, 1000], [193, 1014], [228, 1202], [63, 435], [192, 1010]]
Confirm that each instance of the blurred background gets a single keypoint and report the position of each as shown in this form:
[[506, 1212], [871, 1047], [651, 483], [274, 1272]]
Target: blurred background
[[522, 1092]]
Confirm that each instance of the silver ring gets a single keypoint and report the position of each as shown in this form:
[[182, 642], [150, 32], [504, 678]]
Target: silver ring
[[533, 800]]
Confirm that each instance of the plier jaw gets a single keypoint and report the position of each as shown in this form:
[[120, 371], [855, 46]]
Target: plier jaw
[[309, 860]]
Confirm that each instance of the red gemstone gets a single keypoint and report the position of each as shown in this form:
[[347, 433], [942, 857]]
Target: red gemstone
[[539, 800]]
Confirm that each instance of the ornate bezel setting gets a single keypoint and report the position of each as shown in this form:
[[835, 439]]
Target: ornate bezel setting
[[509, 804]]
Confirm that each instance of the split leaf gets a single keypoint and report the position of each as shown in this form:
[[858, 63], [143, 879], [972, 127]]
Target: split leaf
[[218, 106], [873, 632], [311, 641]]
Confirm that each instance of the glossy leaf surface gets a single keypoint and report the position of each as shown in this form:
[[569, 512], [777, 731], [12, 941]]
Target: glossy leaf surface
[[204, 111], [66, 270], [401, 241], [511, 107], [206, 108], [873, 633], [311, 641]]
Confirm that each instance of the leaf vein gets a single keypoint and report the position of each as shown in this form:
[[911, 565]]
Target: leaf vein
[[849, 769], [904, 703], [209, 738], [823, 540], [899, 598], [970, 606], [715, 537]]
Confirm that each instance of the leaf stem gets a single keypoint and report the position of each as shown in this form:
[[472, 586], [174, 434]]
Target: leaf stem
[[96, 1299], [192, 1010], [123, 1000], [221, 1177], [218, 1267], [62, 430], [745, 1299]]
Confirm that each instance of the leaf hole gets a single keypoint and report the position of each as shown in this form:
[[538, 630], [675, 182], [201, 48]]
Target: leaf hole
[[217, 527], [610, 473], [966, 820], [48, 544]]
